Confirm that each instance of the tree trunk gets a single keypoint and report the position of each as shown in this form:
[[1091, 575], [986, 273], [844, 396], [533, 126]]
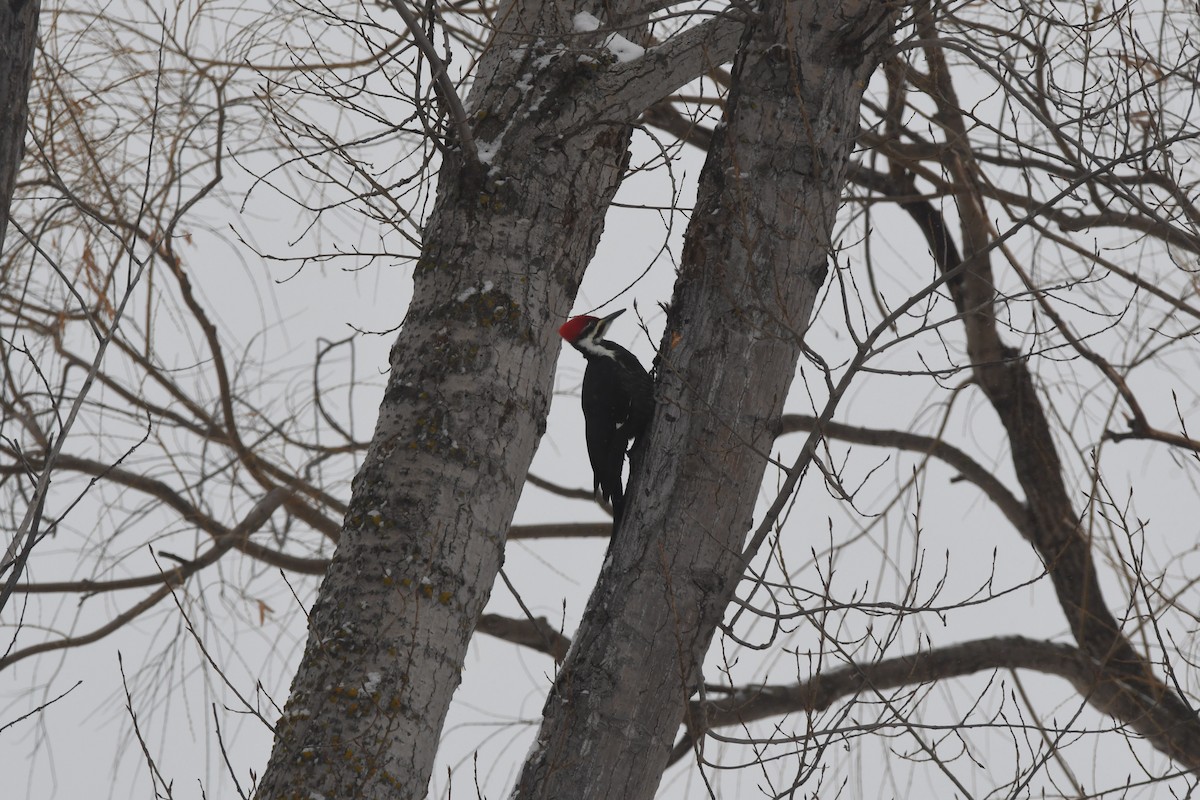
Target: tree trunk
[[756, 256], [18, 37], [471, 380]]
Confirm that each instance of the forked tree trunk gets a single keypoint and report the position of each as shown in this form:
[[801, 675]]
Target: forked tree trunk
[[756, 255], [471, 380]]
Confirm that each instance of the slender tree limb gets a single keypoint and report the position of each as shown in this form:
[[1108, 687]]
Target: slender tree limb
[[910, 155], [1003, 652], [1013, 508], [166, 494], [156, 776], [560, 490], [36, 711], [1140, 429], [665, 116], [298, 564], [562, 530], [254, 519], [264, 473], [276, 558], [443, 86], [536, 634], [1142, 283], [945, 253]]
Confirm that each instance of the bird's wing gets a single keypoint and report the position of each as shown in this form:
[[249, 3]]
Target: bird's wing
[[606, 407]]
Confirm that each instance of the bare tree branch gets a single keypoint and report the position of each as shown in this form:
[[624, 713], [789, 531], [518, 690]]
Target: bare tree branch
[[254, 519], [938, 664], [446, 91], [1013, 509], [535, 634], [627, 89]]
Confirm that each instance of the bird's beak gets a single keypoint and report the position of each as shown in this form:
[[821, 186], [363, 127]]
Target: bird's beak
[[605, 322]]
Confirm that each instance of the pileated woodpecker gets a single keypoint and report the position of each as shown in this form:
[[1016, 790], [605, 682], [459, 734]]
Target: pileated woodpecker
[[618, 400]]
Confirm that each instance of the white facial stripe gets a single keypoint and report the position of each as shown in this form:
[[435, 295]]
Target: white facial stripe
[[588, 345]]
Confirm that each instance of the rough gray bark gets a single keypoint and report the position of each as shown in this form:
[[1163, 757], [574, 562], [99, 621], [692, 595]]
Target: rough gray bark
[[466, 402], [756, 255], [18, 37]]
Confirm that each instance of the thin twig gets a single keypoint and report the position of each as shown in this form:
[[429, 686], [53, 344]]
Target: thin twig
[[40, 708], [442, 84]]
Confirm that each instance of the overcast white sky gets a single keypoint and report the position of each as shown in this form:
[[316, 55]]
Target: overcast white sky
[[82, 747]]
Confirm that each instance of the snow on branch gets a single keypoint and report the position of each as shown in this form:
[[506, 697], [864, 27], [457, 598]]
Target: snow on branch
[[642, 77], [623, 49]]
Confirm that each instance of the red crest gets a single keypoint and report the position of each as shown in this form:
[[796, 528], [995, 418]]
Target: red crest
[[573, 328]]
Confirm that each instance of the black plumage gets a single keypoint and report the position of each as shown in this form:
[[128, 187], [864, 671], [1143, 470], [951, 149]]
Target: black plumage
[[618, 401]]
